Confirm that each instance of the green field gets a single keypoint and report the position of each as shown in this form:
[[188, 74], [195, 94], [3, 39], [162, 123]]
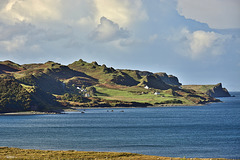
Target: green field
[[139, 94]]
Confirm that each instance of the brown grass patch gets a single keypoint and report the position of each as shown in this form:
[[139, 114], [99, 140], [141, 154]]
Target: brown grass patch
[[27, 154]]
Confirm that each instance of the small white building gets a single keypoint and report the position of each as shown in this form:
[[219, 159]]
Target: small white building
[[146, 87], [87, 95], [83, 90], [156, 93]]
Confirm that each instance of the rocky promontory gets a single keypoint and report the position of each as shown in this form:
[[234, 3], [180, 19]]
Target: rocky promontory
[[218, 91], [211, 90]]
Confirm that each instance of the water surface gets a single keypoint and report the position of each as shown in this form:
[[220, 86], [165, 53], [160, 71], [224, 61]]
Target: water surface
[[199, 131]]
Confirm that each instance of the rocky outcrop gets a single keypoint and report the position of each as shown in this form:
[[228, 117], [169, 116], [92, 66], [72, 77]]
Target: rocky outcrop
[[154, 81], [144, 73], [169, 79], [218, 91], [123, 79]]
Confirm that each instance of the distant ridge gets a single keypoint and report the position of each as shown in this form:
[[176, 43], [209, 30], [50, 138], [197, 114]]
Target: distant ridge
[[53, 87]]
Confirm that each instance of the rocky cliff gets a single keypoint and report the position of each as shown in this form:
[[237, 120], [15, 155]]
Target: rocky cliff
[[169, 79], [211, 90], [218, 91]]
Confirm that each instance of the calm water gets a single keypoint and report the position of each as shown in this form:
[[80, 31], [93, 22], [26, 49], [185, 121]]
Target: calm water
[[200, 131]]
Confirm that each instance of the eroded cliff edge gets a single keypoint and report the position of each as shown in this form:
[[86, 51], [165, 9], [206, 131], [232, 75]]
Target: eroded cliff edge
[[211, 90]]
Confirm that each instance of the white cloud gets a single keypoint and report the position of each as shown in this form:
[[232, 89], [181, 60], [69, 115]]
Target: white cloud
[[219, 14], [107, 30], [200, 41], [123, 12], [30, 11], [200, 44], [48, 20]]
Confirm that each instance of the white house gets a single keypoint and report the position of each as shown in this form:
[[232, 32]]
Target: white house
[[83, 90], [87, 95], [146, 87], [156, 93]]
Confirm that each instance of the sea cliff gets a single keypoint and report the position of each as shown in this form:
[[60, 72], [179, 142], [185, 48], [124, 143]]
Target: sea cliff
[[211, 90]]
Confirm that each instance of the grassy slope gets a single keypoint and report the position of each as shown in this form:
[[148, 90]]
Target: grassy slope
[[139, 94], [16, 153], [111, 91], [118, 85], [94, 70], [199, 88]]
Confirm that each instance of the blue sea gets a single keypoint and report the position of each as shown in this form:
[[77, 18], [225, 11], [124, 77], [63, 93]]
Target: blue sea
[[209, 131]]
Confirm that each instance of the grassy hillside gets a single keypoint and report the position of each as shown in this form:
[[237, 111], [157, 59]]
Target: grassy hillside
[[152, 96], [139, 94], [50, 85], [27, 154], [103, 74], [9, 66], [199, 88], [15, 97]]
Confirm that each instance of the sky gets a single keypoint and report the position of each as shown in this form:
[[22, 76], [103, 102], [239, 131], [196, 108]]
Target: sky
[[196, 40]]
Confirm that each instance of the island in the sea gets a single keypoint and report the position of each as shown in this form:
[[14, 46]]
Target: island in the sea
[[52, 87]]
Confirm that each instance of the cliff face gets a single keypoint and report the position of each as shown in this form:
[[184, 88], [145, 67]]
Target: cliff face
[[169, 79], [211, 90], [218, 91], [153, 81]]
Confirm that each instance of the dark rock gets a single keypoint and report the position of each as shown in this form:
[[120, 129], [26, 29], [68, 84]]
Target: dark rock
[[169, 79], [218, 91], [154, 81]]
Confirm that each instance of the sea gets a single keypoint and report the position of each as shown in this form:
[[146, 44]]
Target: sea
[[209, 131]]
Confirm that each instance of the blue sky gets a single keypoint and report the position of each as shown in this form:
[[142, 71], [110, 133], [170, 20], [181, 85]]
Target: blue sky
[[196, 40]]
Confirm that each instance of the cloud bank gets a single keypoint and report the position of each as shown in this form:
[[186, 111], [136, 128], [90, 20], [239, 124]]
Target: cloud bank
[[107, 30], [219, 14], [200, 44], [124, 12], [158, 35]]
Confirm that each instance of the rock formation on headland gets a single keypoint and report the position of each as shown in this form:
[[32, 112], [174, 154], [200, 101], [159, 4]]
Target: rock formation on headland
[[218, 91], [211, 90]]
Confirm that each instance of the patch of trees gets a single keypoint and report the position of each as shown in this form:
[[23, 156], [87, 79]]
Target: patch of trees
[[13, 97]]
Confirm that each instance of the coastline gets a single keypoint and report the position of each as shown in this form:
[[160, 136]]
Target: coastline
[[17, 153], [26, 113], [76, 109], [153, 106]]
